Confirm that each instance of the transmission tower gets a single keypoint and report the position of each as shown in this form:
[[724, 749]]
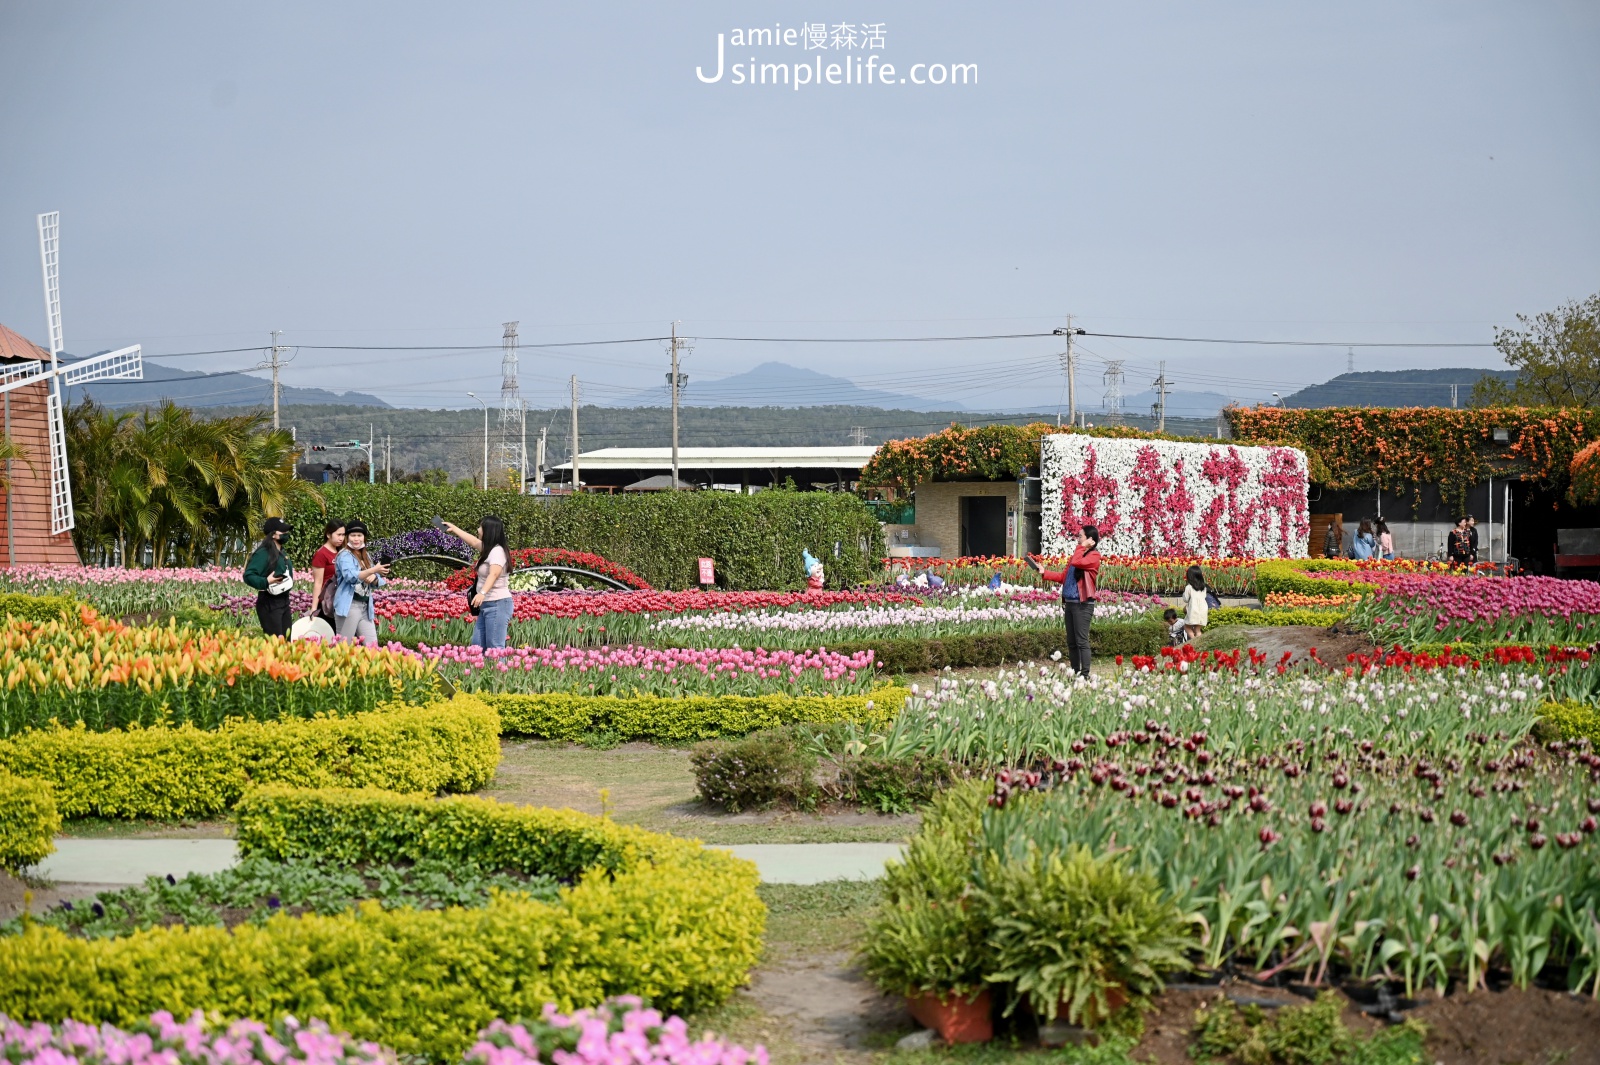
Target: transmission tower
[[1350, 365], [1112, 399], [512, 434]]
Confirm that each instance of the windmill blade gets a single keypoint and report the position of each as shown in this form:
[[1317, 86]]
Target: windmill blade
[[22, 375], [61, 517], [125, 363], [50, 259]]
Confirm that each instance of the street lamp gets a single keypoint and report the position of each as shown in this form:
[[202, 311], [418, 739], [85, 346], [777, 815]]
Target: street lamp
[[1276, 402], [474, 395]]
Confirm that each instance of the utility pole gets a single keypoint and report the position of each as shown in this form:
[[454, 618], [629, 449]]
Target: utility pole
[[1453, 396], [485, 406], [388, 459], [276, 348], [538, 467], [1350, 365], [1160, 405], [574, 434], [1069, 363], [522, 488], [677, 381], [372, 458]]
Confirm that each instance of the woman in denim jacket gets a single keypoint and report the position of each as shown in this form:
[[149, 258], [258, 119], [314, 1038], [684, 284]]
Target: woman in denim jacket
[[358, 576]]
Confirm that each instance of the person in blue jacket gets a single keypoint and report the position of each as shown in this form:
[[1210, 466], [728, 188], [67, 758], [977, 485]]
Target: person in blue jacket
[[358, 578]]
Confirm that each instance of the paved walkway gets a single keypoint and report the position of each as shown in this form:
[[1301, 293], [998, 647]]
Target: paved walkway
[[130, 861]]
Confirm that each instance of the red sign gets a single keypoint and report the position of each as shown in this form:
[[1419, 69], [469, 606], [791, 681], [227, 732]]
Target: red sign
[[708, 573]]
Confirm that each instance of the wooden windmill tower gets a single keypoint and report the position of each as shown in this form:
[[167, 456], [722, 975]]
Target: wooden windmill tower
[[37, 509]]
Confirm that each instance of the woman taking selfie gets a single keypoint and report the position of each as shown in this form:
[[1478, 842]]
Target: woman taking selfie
[[271, 575], [323, 580], [491, 595], [358, 577]]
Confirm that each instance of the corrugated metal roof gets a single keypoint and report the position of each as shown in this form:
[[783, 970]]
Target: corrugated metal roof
[[842, 457]]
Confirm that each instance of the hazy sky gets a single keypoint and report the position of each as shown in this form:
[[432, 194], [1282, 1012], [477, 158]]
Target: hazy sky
[[415, 174]]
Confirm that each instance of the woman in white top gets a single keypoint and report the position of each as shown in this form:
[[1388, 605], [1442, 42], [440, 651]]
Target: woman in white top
[[491, 594], [1196, 611]]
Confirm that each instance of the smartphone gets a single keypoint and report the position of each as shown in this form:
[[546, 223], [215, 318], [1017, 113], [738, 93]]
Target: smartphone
[[385, 559], [438, 522]]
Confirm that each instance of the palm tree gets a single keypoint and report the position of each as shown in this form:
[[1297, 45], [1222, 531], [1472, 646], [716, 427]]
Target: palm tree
[[9, 450], [176, 487]]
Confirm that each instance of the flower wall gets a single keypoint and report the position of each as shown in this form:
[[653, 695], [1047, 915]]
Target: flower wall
[[1160, 497]]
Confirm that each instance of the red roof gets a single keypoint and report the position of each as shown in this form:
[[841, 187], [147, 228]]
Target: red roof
[[16, 346]]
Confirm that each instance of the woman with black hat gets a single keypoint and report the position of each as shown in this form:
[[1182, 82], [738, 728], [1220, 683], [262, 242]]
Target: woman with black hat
[[358, 576], [270, 573]]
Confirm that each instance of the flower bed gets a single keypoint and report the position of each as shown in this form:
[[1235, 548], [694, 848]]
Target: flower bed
[[956, 616], [621, 1030], [107, 675], [121, 592], [685, 718], [1157, 497], [632, 670], [1340, 853], [646, 914], [1446, 608], [173, 772], [533, 557]]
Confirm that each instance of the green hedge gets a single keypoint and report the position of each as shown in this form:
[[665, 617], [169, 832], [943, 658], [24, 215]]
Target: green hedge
[[1145, 637], [685, 718], [36, 607], [1244, 615], [189, 772], [1570, 721], [29, 821], [649, 915], [755, 540], [1289, 575]]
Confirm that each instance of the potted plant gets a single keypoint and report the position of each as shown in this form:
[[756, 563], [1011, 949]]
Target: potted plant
[[1076, 936], [927, 941]]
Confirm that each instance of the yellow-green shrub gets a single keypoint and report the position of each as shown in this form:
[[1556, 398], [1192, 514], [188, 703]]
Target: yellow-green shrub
[[1289, 575], [190, 772], [1573, 720], [1241, 615], [684, 719], [656, 916], [28, 821], [37, 607]]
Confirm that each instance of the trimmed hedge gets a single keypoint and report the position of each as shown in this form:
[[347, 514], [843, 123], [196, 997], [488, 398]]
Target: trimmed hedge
[[685, 718], [1289, 575], [650, 915], [1244, 615], [37, 607], [1145, 637], [755, 540], [29, 821], [189, 772], [1572, 721]]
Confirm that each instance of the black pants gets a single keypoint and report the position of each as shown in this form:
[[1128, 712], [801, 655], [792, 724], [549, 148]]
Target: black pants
[[1078, 615], [273, 610]]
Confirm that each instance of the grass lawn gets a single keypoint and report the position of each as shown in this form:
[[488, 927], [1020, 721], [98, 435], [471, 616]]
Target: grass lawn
[[653, 787]]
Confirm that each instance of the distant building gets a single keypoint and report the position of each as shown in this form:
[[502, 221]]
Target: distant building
[[741, 469]]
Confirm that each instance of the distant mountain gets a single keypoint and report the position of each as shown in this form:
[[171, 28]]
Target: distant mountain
[[1179, 404], [777, 384], [196, 388], [1395, 388]]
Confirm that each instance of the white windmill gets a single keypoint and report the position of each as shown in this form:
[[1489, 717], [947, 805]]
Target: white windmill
[[124, 363]]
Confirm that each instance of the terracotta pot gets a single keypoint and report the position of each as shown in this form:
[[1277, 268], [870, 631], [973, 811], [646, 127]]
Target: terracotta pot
[[953, 1017]]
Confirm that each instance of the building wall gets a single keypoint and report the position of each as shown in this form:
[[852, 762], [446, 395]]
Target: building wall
[[29, 502], [939, 510]]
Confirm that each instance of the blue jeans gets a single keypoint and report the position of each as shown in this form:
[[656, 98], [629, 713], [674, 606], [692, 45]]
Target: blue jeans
[[494, 618]]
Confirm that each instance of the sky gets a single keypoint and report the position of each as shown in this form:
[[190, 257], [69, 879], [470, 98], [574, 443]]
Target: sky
[[407, 175]]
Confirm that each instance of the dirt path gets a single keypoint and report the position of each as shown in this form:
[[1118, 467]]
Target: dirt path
[[1297, 640]]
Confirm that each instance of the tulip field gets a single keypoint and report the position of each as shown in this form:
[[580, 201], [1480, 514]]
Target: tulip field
[[627, 670]]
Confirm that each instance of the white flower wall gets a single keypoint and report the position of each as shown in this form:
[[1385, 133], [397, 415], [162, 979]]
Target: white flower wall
[[1157, 497]]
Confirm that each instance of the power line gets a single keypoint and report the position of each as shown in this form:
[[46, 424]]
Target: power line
[[1296, 343]]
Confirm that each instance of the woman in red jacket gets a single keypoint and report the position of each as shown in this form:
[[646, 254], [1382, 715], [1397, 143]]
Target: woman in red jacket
[[1077, 594]]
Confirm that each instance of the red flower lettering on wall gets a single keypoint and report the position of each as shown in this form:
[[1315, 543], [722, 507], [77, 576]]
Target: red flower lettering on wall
[[1088, 498]]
